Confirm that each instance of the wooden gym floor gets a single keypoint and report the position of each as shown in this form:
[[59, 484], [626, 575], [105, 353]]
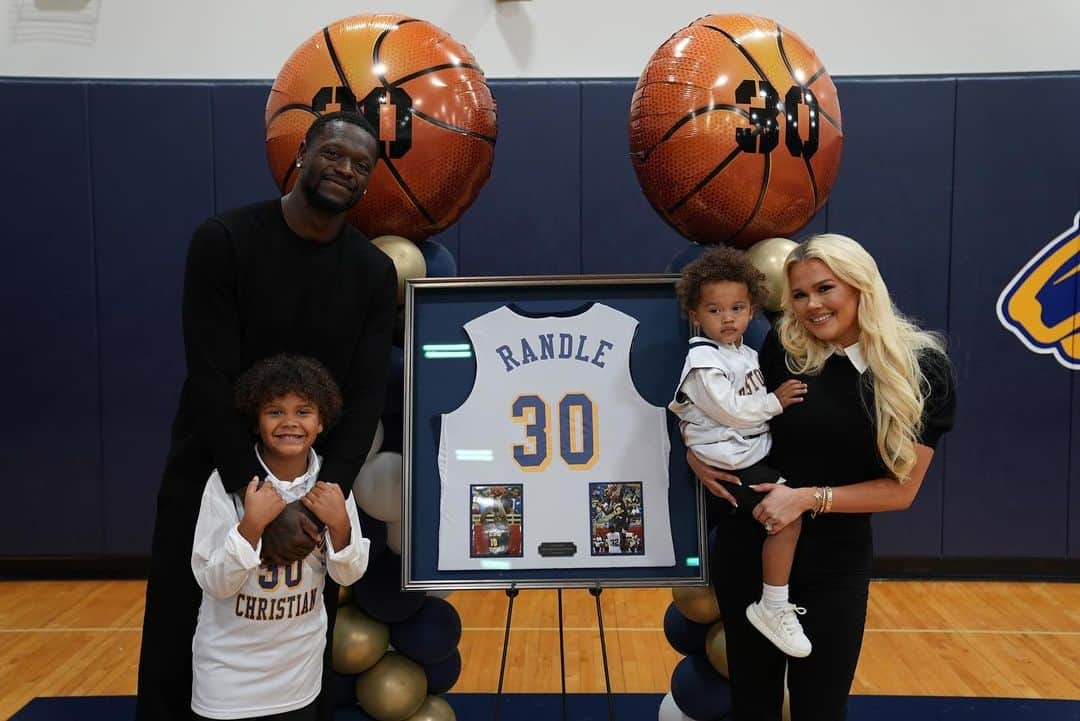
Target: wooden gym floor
[[1019, 640]]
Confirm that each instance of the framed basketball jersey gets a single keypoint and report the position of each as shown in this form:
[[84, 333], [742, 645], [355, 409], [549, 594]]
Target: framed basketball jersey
[[538, 450], [554, 422]]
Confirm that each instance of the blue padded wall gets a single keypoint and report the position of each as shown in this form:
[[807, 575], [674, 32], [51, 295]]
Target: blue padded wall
[[527, 220], [51, 453], [936, 180], [153, 183], [1015, 189], [1074, 456], [241, 174], [900, 211], [894, 192], [620, 232]]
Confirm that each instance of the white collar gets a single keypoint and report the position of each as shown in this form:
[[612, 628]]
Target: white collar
[[718, 343], [854, 354], [292, 490]]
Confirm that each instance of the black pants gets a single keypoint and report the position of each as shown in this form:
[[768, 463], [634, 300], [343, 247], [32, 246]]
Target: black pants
[[746, 497], [172, 611], [830, 578]]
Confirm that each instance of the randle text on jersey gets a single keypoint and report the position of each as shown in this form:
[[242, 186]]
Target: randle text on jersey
[[553, 346]]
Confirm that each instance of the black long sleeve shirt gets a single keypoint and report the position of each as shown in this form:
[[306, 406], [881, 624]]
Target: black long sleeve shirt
[[831, 439], [253, 288]]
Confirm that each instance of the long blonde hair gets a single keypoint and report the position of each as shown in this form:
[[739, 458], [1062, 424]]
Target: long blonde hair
[[891, 343]]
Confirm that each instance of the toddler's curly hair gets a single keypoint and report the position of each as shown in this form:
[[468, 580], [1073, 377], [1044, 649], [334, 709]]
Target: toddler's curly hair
[[715, 265]]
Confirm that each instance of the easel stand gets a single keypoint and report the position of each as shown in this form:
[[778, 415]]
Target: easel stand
[[594, 591]]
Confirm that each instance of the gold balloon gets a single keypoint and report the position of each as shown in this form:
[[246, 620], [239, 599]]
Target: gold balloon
[[768, 256], [408, 260], [716, 648], [393, 689], [434, 709], [698, 603], [343, 596], [359, 641]]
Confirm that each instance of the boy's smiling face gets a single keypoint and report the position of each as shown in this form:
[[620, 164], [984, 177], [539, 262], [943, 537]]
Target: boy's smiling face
[[288, 426]]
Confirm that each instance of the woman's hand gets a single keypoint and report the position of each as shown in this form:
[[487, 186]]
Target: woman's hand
[[781, 505], [712, 478]]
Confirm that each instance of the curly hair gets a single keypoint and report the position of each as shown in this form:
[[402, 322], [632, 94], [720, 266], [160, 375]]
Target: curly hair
[[718, 265], [282, 374]]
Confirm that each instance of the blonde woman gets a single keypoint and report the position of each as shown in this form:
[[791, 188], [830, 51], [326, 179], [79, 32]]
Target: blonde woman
[[879, 397]]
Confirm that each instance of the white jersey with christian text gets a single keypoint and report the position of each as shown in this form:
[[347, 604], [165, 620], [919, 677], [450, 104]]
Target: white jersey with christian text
[[261, 631], [554, 460]]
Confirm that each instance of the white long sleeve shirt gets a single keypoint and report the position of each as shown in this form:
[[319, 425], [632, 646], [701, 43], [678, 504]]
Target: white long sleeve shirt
[[722, 404], [258, 646]]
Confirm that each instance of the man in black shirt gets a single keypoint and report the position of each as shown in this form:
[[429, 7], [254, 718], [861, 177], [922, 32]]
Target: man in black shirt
[[287, 275]]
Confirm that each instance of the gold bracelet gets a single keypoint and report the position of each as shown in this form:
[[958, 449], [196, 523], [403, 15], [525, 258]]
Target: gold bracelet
[[828, 499], [819, 502]]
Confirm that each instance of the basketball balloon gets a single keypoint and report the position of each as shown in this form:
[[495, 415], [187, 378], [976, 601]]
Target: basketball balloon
[[425, 95], [735, 131]]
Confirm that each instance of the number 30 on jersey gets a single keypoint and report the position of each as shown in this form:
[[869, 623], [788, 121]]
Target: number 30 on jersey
[[578, 432]]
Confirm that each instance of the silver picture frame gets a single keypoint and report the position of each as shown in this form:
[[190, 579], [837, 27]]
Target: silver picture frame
[[422, 485]]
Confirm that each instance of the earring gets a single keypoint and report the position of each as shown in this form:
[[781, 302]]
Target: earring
[[298, 163]]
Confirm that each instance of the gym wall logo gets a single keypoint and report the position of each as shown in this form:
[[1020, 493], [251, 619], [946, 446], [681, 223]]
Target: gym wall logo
[[1041, 304]]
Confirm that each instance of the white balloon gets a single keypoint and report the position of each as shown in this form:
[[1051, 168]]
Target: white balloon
[[376, 443], [378, 487], [669, 711], [393, 537]]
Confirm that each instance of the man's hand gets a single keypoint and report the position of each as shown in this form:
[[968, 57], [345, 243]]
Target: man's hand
[[290, 537]]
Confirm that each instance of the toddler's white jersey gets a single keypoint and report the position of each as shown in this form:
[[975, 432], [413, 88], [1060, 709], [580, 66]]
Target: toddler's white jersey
[[722, 404], [554, 452]]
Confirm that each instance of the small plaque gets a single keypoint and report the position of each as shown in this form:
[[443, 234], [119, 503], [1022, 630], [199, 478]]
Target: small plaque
[[557, 548]]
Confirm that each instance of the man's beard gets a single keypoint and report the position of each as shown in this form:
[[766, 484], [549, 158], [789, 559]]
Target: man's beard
[[321, 202]]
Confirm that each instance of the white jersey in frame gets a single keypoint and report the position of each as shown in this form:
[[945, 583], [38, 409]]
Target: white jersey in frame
[[554, 451]]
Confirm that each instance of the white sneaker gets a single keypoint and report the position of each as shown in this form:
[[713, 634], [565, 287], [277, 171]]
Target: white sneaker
[[781, 627]]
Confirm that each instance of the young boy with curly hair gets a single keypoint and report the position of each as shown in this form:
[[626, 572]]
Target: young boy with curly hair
[[724, 411], [261, 633]]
